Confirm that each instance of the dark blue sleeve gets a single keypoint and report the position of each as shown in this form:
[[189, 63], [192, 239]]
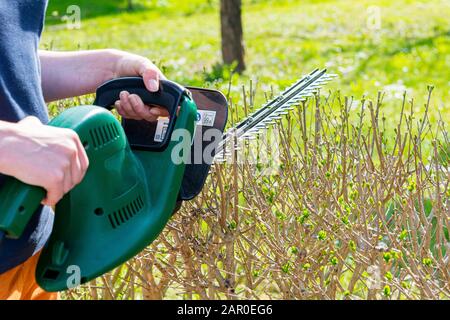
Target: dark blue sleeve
[[21, 24]]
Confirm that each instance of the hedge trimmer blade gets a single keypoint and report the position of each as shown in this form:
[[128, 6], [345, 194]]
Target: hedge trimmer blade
[[274, 110]]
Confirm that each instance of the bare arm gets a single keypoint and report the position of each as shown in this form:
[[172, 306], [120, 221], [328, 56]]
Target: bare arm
[[74, 73], [69, 74]]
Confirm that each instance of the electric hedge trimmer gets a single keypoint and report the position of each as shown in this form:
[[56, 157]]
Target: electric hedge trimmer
[[133, 184]]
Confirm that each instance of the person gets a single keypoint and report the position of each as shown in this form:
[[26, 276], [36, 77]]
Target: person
[[38, 154]]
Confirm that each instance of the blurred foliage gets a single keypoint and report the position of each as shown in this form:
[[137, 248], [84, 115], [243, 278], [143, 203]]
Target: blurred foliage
[[284, 39]]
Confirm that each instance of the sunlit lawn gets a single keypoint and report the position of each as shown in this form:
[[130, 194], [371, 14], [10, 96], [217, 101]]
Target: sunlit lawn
[[284, 39]]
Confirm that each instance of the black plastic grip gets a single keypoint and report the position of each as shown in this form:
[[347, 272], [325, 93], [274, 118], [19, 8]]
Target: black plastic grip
[[168, 96], [140, 132]]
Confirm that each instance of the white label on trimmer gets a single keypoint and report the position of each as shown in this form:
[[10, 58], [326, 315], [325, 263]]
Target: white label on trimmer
[[206, 118], [161, 129]]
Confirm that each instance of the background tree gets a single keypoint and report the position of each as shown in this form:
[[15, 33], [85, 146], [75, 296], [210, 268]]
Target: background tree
[[130, 5], [232, 34]]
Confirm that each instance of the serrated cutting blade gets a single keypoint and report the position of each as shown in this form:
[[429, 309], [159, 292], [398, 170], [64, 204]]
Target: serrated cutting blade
[[272, 111]]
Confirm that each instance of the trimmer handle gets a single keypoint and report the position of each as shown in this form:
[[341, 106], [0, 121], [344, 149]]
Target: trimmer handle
[[19, 202], [168, 96], [140, 133]]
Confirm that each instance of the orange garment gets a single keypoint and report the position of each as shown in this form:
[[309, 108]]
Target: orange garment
[[20, 283]]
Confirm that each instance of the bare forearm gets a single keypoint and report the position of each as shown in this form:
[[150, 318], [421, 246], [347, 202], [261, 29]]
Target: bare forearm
[[7, 132], [69, 74]]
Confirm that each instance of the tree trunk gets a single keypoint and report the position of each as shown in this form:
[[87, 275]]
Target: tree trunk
[[232, 35], [130, 5]]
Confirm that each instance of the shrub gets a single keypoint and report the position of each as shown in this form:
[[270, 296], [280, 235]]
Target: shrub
[[359, 208]]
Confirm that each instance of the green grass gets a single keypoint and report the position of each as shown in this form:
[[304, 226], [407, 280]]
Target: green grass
[[98, 8], [284, 39]]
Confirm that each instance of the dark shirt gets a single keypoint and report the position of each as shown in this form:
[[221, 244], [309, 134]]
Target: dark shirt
[[21, 24]]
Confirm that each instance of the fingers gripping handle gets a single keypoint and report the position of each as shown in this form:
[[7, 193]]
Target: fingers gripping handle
[[140, 133], [19, 202], [168, 96]]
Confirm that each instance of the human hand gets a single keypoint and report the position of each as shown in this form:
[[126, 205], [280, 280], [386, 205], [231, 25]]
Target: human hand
[[45, 156], [131, 106]]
